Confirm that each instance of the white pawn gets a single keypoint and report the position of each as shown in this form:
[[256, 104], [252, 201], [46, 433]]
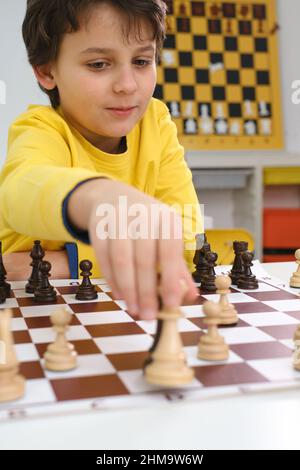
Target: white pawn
[[12, 384], [228, 312], [295, 279], [296, 354], [212, 346], [60, 355]]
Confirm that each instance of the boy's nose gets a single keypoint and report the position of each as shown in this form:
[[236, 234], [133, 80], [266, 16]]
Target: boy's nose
[[125, 82]]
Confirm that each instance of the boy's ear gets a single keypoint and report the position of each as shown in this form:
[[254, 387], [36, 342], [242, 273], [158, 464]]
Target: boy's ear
[[44, 76]]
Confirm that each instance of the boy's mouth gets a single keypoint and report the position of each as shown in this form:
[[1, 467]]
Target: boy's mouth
[[122, 112]]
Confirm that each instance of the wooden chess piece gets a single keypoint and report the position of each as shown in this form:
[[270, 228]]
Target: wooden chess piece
[[86, 291], [37, 254], [296, 354], [202, 247], [44, 291], [237, 270], [3, 283], [60, 355], [2, 295], [12, 384], [208, 280], [247, 280], [168, 365], [228, 312], [212, 346], [295, 278]]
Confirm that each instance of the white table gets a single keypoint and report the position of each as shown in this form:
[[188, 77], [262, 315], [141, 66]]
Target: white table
[[259, 421]]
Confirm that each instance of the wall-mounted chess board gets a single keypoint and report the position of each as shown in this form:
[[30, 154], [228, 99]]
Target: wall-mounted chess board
[[219, 74]]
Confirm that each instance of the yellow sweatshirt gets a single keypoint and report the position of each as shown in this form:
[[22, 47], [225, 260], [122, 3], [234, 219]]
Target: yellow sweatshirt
[[47, 158]]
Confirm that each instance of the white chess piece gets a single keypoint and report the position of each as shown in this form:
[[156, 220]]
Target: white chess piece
[[228, 312], [212, 346], [295, 278]]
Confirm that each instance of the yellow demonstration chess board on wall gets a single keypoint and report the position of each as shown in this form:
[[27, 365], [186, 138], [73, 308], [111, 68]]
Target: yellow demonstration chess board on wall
[[219, 74]]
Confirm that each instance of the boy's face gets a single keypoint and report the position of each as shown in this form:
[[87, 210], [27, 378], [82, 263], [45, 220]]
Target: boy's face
[[104, 94]]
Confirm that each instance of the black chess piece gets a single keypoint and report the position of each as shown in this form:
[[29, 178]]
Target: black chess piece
[[37, 254], [208, 281], [248, 279], [202, 247], [86, 291], [44, 291], [3, 283], [237, 270], [2, 295]]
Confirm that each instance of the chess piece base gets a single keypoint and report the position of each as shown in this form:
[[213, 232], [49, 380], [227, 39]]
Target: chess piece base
[[212, 350], [86, 295], [168, 375], [60, 360], [12, 391], [247, 284], [29, 288], [229, 317], [40, 296], [295, 281]]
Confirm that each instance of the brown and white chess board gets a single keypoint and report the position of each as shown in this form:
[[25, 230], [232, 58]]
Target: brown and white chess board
[[112, 347]]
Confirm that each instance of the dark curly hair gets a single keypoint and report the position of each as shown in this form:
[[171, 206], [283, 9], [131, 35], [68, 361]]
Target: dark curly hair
[[46, 22]]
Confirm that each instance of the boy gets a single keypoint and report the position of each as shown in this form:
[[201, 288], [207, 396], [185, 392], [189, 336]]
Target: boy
[[103, 139]]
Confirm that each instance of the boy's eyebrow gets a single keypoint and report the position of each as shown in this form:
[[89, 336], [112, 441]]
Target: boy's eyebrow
[[99, 50]]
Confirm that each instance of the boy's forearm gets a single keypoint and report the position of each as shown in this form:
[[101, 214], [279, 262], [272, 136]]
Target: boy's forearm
[[82, 201]]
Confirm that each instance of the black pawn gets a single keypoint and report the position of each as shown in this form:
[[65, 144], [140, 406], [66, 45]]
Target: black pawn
[[208, 281], [238, 266], [86, 291], [2, 295], [3, 283], [37, 254], [45, 292], [202, 247], [248, 280]]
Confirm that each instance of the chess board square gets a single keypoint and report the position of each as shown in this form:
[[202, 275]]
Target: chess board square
[[82, 347], [31, 370], [16, 313], [253, 307], [47, 335], [190, 338], [10, 303], [88, 387], [193, 361], [18, 324], [128, 361], [276, 368], [71, 290], [45, 322], [274, 295], [236, 335], [30, 302], [238, 297], [295, 314], [200, 323], [87, 365], [114, 329], [264, 319], [88, 307], [38, 391], [265, 350], [43, 310], [262, 287], [228, 374], [192, 311], [21, 337], [124, 344], [280, 331], [284, 305], [26, 352], [104, 318]]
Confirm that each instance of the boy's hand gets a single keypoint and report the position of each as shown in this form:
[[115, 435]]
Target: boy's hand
[[130, 264]]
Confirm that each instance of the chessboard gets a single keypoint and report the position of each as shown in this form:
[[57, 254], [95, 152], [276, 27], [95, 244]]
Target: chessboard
[[219, 74], [112, 348]]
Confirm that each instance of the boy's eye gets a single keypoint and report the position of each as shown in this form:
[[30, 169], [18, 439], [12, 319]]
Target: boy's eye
[[142, 62], [98, 65]]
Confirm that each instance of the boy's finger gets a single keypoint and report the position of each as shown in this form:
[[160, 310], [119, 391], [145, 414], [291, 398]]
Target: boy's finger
[[145, 263]]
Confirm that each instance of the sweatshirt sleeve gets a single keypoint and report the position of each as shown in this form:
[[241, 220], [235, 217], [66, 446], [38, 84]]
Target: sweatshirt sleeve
[[36, 179], [175, 186]]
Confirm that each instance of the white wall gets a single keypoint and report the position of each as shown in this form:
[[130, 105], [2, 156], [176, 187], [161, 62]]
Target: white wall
[[22, 89]]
